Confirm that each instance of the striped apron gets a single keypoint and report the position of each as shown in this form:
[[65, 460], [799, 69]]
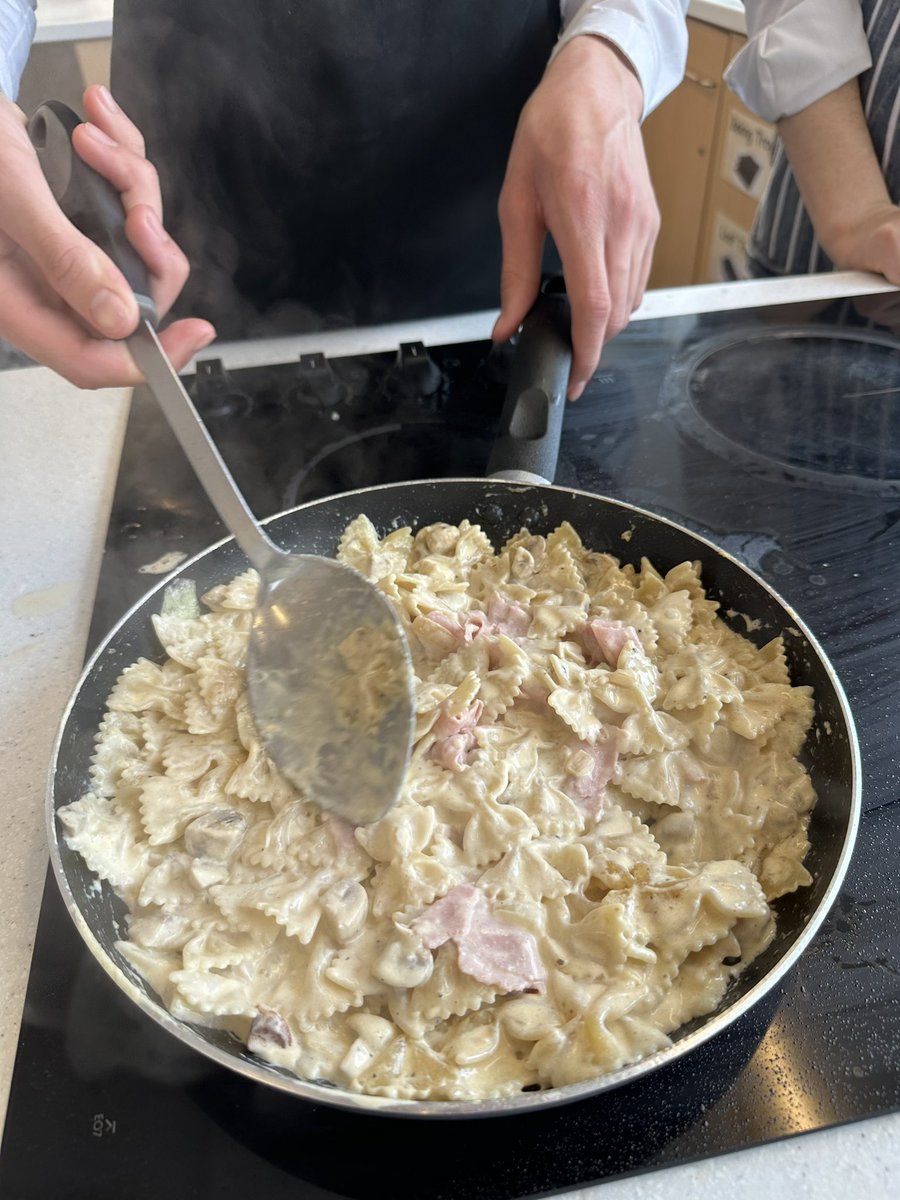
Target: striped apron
[[782, 241]]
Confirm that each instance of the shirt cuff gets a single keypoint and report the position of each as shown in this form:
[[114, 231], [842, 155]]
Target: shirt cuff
[[653, 38], [799, 57], [17, 23]]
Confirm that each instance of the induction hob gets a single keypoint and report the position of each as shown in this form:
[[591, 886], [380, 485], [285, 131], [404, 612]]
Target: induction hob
[[777, 437]]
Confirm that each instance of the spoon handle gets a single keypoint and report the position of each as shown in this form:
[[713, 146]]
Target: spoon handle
[[201, 450], [93, 205]]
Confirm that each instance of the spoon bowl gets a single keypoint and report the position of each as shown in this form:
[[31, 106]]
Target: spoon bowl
[[329, 680]]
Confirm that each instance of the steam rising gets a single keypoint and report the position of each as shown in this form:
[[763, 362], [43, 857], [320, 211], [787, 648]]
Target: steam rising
[[335, 162]]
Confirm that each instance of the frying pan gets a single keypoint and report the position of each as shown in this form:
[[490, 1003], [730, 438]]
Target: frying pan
[[516, 494], [501, 508]]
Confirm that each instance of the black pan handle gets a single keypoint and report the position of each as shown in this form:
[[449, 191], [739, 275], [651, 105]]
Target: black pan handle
[[90, 202], [527, 444]]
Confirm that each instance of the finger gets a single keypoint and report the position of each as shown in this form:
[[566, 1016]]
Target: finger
[[183, 339], [634, 287], [101, 109], [130, 174], [646, 259], [643, 277], [880, 249], [73, 266], [50, 335], [166, 262], [621, 273], [523, 235], [61, 344], [138, 184], [88, 362], [584, 268], [98, 364]]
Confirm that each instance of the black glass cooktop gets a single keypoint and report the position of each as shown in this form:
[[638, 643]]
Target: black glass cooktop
[[779, 441]]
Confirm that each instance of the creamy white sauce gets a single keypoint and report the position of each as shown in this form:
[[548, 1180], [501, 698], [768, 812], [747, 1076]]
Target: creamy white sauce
[[584, 854]]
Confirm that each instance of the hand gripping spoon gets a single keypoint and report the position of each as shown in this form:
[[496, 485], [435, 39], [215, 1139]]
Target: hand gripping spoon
[[329, 674]]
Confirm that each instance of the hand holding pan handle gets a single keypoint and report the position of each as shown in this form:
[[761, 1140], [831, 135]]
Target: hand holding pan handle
[[90, 202], [527, 444]]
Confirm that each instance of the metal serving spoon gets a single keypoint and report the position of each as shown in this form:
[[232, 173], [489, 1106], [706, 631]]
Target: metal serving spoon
[[328, 670]]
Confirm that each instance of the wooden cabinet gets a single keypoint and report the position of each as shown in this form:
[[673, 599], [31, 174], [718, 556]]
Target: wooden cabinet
[[679, 138], [709, 158]]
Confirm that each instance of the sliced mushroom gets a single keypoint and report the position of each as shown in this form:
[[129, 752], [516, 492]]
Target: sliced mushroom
[[345, 905], [674, 827], [268, 1029], [536, 546], [404, 964], [522, 564], [579, 763], [441, 538], [475, 1044], [204, 872], [356, 1059], [216, 835], [376, 1032], [529, 1019]]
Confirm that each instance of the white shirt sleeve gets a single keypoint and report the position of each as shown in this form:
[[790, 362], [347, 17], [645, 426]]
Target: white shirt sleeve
[[797, 51], [652, 35], [16, 31]]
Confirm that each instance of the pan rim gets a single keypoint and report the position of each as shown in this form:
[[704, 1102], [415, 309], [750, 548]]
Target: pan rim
[[334, 1096]]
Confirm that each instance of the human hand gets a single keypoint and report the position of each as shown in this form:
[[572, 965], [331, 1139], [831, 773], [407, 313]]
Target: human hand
[[872, 244], [577, 170], [61, 298]]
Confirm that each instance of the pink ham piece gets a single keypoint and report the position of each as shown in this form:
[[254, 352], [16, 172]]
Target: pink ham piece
[[508, 617], [604, 641], [464, 628], [473, 623], [447, 724], [503, 616], [455, 737], [588, 790], [489, 950], [452, 753]]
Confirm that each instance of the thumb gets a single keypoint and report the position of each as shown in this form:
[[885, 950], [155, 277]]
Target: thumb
[[77, 270]]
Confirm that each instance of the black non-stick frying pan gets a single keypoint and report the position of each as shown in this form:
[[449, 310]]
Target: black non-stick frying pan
[[526, 448]]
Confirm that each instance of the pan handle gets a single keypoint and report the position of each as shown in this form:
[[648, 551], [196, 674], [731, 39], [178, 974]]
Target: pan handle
[[90, 202], [527, 445]]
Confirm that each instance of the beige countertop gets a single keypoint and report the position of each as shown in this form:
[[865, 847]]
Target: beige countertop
[[73, 20], [59, 453]]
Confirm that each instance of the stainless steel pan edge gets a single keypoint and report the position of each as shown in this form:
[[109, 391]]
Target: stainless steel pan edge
[[225, 1050]]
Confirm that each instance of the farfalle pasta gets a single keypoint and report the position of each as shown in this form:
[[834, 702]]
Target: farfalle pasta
[[603, 802]]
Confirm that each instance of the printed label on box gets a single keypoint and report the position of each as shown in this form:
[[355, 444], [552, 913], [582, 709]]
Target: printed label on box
[[727, 250], [747, 154]]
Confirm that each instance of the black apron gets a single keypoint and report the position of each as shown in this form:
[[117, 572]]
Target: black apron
[[331, 162], [783, 241]]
